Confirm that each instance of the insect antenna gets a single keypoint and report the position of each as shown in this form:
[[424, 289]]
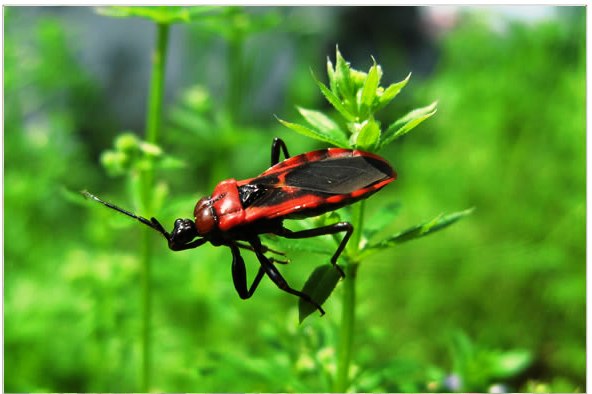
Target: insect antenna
[[152, 223]]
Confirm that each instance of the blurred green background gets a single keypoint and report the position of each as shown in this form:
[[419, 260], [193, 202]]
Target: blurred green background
[[494, 303]]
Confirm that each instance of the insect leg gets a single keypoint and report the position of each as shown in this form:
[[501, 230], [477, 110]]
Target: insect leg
[[277, 278], [276, 145], [325, 230], [191, 245], [265, 249], [239, 275]]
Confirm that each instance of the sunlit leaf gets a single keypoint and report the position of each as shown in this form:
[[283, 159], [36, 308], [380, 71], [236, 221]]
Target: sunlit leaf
[[342, 76], [316, 245], [169, 162], [382, 218], [368, 137], [407, 123], [322, 123], [369, 90], [319, 286], [158, 14], [334, 100], [510, 363], [331, 75], [391, 92], [236, 23], [438, 223], [336, 139]]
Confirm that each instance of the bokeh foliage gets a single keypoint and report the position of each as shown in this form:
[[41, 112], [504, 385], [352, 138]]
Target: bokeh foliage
[[498, 299]]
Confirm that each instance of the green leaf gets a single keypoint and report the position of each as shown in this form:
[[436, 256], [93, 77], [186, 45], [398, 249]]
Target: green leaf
[[391, 92], [311, 133], [342, 77], [357, 79], [369, 135], [127, 142], [159, 195], [334, 100], [169, 162], [317, 245], [322, 123], [319, 286], [158, 14], [407, 123], [436, 224], [510, 363], [383, 217], [235, 23], [369, 90], [331, 75]]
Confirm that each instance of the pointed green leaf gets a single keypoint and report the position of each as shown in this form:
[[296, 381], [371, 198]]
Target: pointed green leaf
[[331, 75], [311, 133], [322, 123], [342, 77], [318, 245], [510, 363], [334, 100], [407, 123], [237, 22], [391, 92], [319, 286], [369, 135], [383, 217], [169, 162], [357, 79], [158, 14], [369, 90], [438, 223]]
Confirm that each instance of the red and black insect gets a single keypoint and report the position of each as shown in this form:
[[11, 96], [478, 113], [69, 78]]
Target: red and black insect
[[302, 186]]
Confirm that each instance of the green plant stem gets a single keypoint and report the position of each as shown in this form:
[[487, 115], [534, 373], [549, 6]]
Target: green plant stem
[[156, 97], [346, 335], [235, 78], [146, 253], [348, 311], [153, 121]]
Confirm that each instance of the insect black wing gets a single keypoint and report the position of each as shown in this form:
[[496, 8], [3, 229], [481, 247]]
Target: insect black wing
[[308, 185], [341, 175]]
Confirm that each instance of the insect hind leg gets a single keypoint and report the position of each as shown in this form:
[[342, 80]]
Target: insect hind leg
[[277, 278], [325, 230], [266, 249]]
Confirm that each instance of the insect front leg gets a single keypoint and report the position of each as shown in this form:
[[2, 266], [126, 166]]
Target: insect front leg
[[325, 230], [276, 277], [276, 145], [239, 275], [190, 245]]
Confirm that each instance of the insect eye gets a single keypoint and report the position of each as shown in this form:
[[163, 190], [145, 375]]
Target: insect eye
[[205, 220]]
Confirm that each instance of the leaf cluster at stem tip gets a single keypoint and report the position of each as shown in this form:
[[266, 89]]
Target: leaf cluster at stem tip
[[357, 96], [131, 154]]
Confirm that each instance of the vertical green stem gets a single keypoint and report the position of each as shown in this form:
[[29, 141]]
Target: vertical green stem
[[146, 252], [153, 120], [156, 97], [348, 312], [235, 78]]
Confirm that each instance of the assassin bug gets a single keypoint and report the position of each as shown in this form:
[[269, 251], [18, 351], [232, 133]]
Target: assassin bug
[[306, 185]]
